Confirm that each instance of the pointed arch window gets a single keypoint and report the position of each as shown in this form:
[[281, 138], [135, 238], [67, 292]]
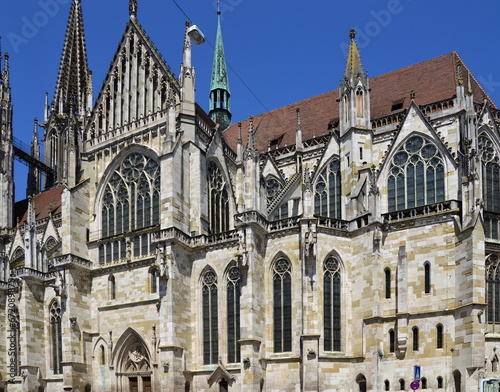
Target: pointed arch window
[[387, 385], [218, 199], [56, 336], [112, 287], [490, 160], [392, 341], [424, 383], [387, 283], [327, 197], [233, 314], [131, 197], [332, 304], [440, 382], [210, 318], [282, 300], [416, 176], [401, 384], [439, 336], [359, 103], [427, 277], [493, 288], [153, 280], [415, 338]]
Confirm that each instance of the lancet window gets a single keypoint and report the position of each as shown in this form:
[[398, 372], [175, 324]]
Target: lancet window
[[233, 314], [56, 336], [493, 288], [282, 298], [332, 304], [210, 318], [218, 199], [131, 199], [327, 192], [416, 177], [490, 160]]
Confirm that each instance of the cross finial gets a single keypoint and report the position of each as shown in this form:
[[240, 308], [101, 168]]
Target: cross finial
[[412, 94], [218, 7], [352, 34], [132, 8]]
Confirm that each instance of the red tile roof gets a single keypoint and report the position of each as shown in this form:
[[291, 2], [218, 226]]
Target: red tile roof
[[45, 203], [433, 81]]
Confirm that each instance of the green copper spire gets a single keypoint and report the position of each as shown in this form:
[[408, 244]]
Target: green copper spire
[[220, 95]]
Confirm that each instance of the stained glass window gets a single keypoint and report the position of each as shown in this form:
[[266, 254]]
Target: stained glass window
[[327, 198], [416, 177], [131, 198], [282, 298], [210, 319], [233, 314], [218, 199], [332, 304]]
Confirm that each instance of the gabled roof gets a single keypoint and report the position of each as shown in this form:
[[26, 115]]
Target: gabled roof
[[46, 203], [432, 80]]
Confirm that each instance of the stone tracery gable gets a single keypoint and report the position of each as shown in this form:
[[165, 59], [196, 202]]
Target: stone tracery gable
[[138, 88]]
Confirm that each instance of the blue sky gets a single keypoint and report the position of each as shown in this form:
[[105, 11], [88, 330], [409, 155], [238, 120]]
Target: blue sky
[[285, 51]]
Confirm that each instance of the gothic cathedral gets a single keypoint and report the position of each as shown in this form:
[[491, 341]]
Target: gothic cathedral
[[348, 242]]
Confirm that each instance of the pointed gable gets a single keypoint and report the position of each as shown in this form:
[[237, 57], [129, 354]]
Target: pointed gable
[[137, 90]]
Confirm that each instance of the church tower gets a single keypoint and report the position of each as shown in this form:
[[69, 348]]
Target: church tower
[[220, 95], [355, 131], [6, 148], [72, 100]]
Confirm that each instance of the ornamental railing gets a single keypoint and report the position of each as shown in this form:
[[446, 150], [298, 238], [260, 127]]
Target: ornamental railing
[[416, 212]]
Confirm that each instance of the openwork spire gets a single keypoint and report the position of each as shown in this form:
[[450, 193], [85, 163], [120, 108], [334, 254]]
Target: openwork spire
[[71, 87]]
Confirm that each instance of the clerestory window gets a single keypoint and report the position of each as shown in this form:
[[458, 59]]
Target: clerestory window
[[327, 197], [490, 160], [493, 288], [218, 199], [416, 177]]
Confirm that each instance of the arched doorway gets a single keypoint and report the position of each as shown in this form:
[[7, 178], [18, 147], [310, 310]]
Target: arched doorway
[[133, 364], [457, 377], [361, 380]]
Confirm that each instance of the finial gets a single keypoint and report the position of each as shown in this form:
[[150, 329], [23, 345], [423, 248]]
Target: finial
[[132, 8], [240, 139], [352, 34], [298, 116], [412, 94], [218, 8]]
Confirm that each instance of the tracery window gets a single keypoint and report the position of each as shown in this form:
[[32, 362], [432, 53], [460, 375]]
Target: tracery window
[[131, 199], [56, 336], [210, 319], [490, 160], [327, 198], [233, 314], [332, 304], [493, 288], [218, 199], [282, 300], [416, 177], [273, 187]]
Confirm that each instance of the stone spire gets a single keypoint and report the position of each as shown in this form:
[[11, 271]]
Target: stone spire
[[354, 92], [6, 71], [71, 88], [34, 173], [251, 150], [354, 66], [220, 95], [65, 123]]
